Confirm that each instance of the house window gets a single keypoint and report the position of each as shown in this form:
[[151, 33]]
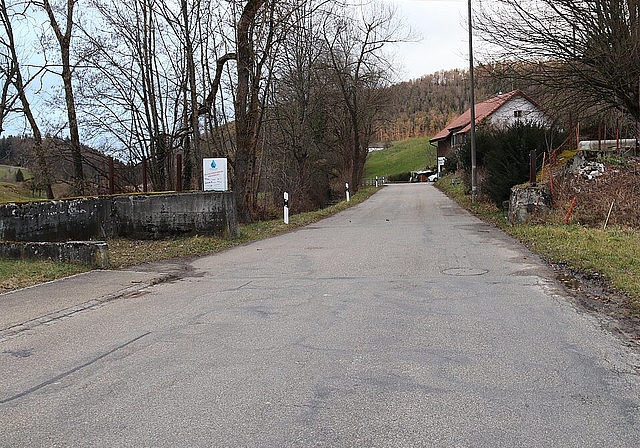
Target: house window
[[458, 139], [517, 114]]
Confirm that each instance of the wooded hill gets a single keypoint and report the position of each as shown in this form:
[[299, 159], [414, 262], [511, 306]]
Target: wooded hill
[[422, 107]]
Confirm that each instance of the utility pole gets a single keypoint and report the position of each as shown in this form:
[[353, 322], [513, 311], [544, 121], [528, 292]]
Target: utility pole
[[472, 100]]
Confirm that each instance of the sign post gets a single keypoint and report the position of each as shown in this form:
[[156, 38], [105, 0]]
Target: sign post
[[214, 172], [441, 162]]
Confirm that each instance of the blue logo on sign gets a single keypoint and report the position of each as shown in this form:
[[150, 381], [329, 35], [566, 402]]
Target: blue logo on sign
[[213, 164]]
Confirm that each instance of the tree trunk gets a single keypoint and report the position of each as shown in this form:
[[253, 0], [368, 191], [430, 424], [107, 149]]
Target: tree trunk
[[64, 40], [246, 113], [74, 133], [194, 123]]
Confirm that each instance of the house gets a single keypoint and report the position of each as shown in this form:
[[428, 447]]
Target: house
[[499, 111]]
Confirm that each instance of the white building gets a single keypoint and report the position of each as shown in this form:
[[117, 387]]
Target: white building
[[500, 111]]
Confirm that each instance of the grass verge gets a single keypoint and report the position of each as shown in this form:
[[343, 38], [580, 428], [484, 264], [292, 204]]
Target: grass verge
[[124, 252], [20, 274], [612, 253]]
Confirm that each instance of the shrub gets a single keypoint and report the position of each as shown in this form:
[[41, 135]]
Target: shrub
[[504, 155], [450, 164], [400, 177]]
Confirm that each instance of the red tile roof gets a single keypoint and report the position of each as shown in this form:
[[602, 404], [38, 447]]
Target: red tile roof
[[462, 124]]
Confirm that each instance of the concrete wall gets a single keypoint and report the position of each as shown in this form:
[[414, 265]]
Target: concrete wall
[[136, 216], [160, 216], [75, 219]]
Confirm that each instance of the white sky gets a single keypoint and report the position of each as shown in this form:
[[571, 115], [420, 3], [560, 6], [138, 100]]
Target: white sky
[[441, 26]]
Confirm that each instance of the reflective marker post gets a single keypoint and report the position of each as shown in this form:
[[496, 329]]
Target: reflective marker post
[[347, 188], [286, 207]]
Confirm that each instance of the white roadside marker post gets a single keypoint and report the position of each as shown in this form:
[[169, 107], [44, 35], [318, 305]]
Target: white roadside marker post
[[286, 208], [347, 188]]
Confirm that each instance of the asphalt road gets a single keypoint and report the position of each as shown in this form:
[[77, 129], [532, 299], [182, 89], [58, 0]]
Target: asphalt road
[[401, 322]]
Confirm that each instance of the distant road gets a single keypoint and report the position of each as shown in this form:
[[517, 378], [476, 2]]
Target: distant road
[[403, 321]]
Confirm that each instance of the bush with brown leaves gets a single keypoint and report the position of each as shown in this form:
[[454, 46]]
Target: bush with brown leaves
[[616, 190]]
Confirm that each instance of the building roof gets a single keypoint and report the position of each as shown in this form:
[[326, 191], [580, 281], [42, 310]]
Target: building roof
[[462, 124]]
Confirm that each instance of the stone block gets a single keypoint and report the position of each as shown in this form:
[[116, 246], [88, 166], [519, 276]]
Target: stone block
[[527, 202]]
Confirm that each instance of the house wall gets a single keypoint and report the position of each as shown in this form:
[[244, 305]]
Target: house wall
[[444, 148], [501, 117], [505, 115]]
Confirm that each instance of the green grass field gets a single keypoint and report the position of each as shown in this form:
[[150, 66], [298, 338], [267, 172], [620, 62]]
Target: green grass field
[[408, 155], [12, 191], [8, 173]]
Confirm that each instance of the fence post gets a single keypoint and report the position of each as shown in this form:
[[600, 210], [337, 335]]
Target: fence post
[[179, 172], [112, 177], [144, 174], [532, 167]]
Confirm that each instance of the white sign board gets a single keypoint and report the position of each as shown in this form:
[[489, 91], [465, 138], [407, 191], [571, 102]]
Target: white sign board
[[215, 174]]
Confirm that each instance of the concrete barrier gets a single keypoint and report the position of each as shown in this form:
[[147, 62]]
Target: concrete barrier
[[49, 230], [73, 219], [149, 216], [91, 253], [166, 215]]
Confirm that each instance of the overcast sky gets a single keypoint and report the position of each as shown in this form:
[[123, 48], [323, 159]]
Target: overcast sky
[[442, 27]]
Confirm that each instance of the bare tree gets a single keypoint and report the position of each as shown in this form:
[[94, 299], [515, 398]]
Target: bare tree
[[297, 121], [587, 52], [247, 107], [358, 67], [61, 19], [134, 89], [15, 83], [255, 37], [8, 64], [147, 78]]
